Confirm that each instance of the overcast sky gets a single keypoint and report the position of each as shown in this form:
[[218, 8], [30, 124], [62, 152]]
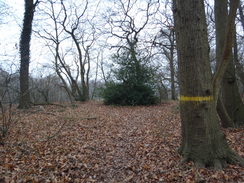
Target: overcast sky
[[10, 30], [13, 20], [10, 33], [9, 39]]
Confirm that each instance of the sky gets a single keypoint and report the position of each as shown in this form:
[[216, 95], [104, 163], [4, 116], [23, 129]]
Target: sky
[[10, 33], [10, 29], [9, 40]]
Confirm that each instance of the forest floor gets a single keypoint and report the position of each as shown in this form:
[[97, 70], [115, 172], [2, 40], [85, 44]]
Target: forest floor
[[92, 142]]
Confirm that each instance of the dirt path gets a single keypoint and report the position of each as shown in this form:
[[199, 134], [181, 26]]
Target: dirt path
[[126, 145], [133, 136]]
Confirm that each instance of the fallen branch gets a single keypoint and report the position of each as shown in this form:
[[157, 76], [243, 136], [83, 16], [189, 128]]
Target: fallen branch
[[55, 134], [90, 118]]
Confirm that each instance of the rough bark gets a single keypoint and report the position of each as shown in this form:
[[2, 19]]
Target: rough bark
[[231, 96], [25, 101], [203, 141], [230, 93], [238, 65], [225, 119], [227, 50], [221, 15]]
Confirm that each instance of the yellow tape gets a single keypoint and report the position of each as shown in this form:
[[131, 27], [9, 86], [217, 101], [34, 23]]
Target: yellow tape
[[196, 99]]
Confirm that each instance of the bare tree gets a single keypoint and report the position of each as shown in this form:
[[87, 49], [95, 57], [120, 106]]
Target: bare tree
[[238, 57], [125, 26], [6, 103], [83, 49], [47, 89], [238, 47], [4, 9], [241, 14], [166, 43], [128, 30], [25, 101], [71, 42]]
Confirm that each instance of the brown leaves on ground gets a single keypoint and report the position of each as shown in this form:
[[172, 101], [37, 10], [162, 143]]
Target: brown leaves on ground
[[97, 143]]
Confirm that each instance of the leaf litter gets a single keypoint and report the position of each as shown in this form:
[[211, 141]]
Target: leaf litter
[[96, 143]]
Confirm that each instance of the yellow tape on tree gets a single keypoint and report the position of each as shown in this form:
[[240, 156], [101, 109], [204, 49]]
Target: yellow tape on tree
[[196, 99]]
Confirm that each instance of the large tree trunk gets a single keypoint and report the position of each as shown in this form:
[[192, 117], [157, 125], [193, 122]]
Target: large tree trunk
[[230, 93], [203, 141], [25, 38]]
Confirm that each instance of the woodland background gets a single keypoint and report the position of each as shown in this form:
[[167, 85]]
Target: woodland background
[[54, 124]]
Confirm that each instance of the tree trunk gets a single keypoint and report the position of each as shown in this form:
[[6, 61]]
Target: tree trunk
[[172, 67], [231, 96], [230, 93], [168, 51], [238, 65], [25, 101], [203, 141], [225, 119], [221, 15]]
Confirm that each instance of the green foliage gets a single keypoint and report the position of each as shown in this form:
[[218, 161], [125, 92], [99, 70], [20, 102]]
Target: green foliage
[[125, 94], [134, 84]]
